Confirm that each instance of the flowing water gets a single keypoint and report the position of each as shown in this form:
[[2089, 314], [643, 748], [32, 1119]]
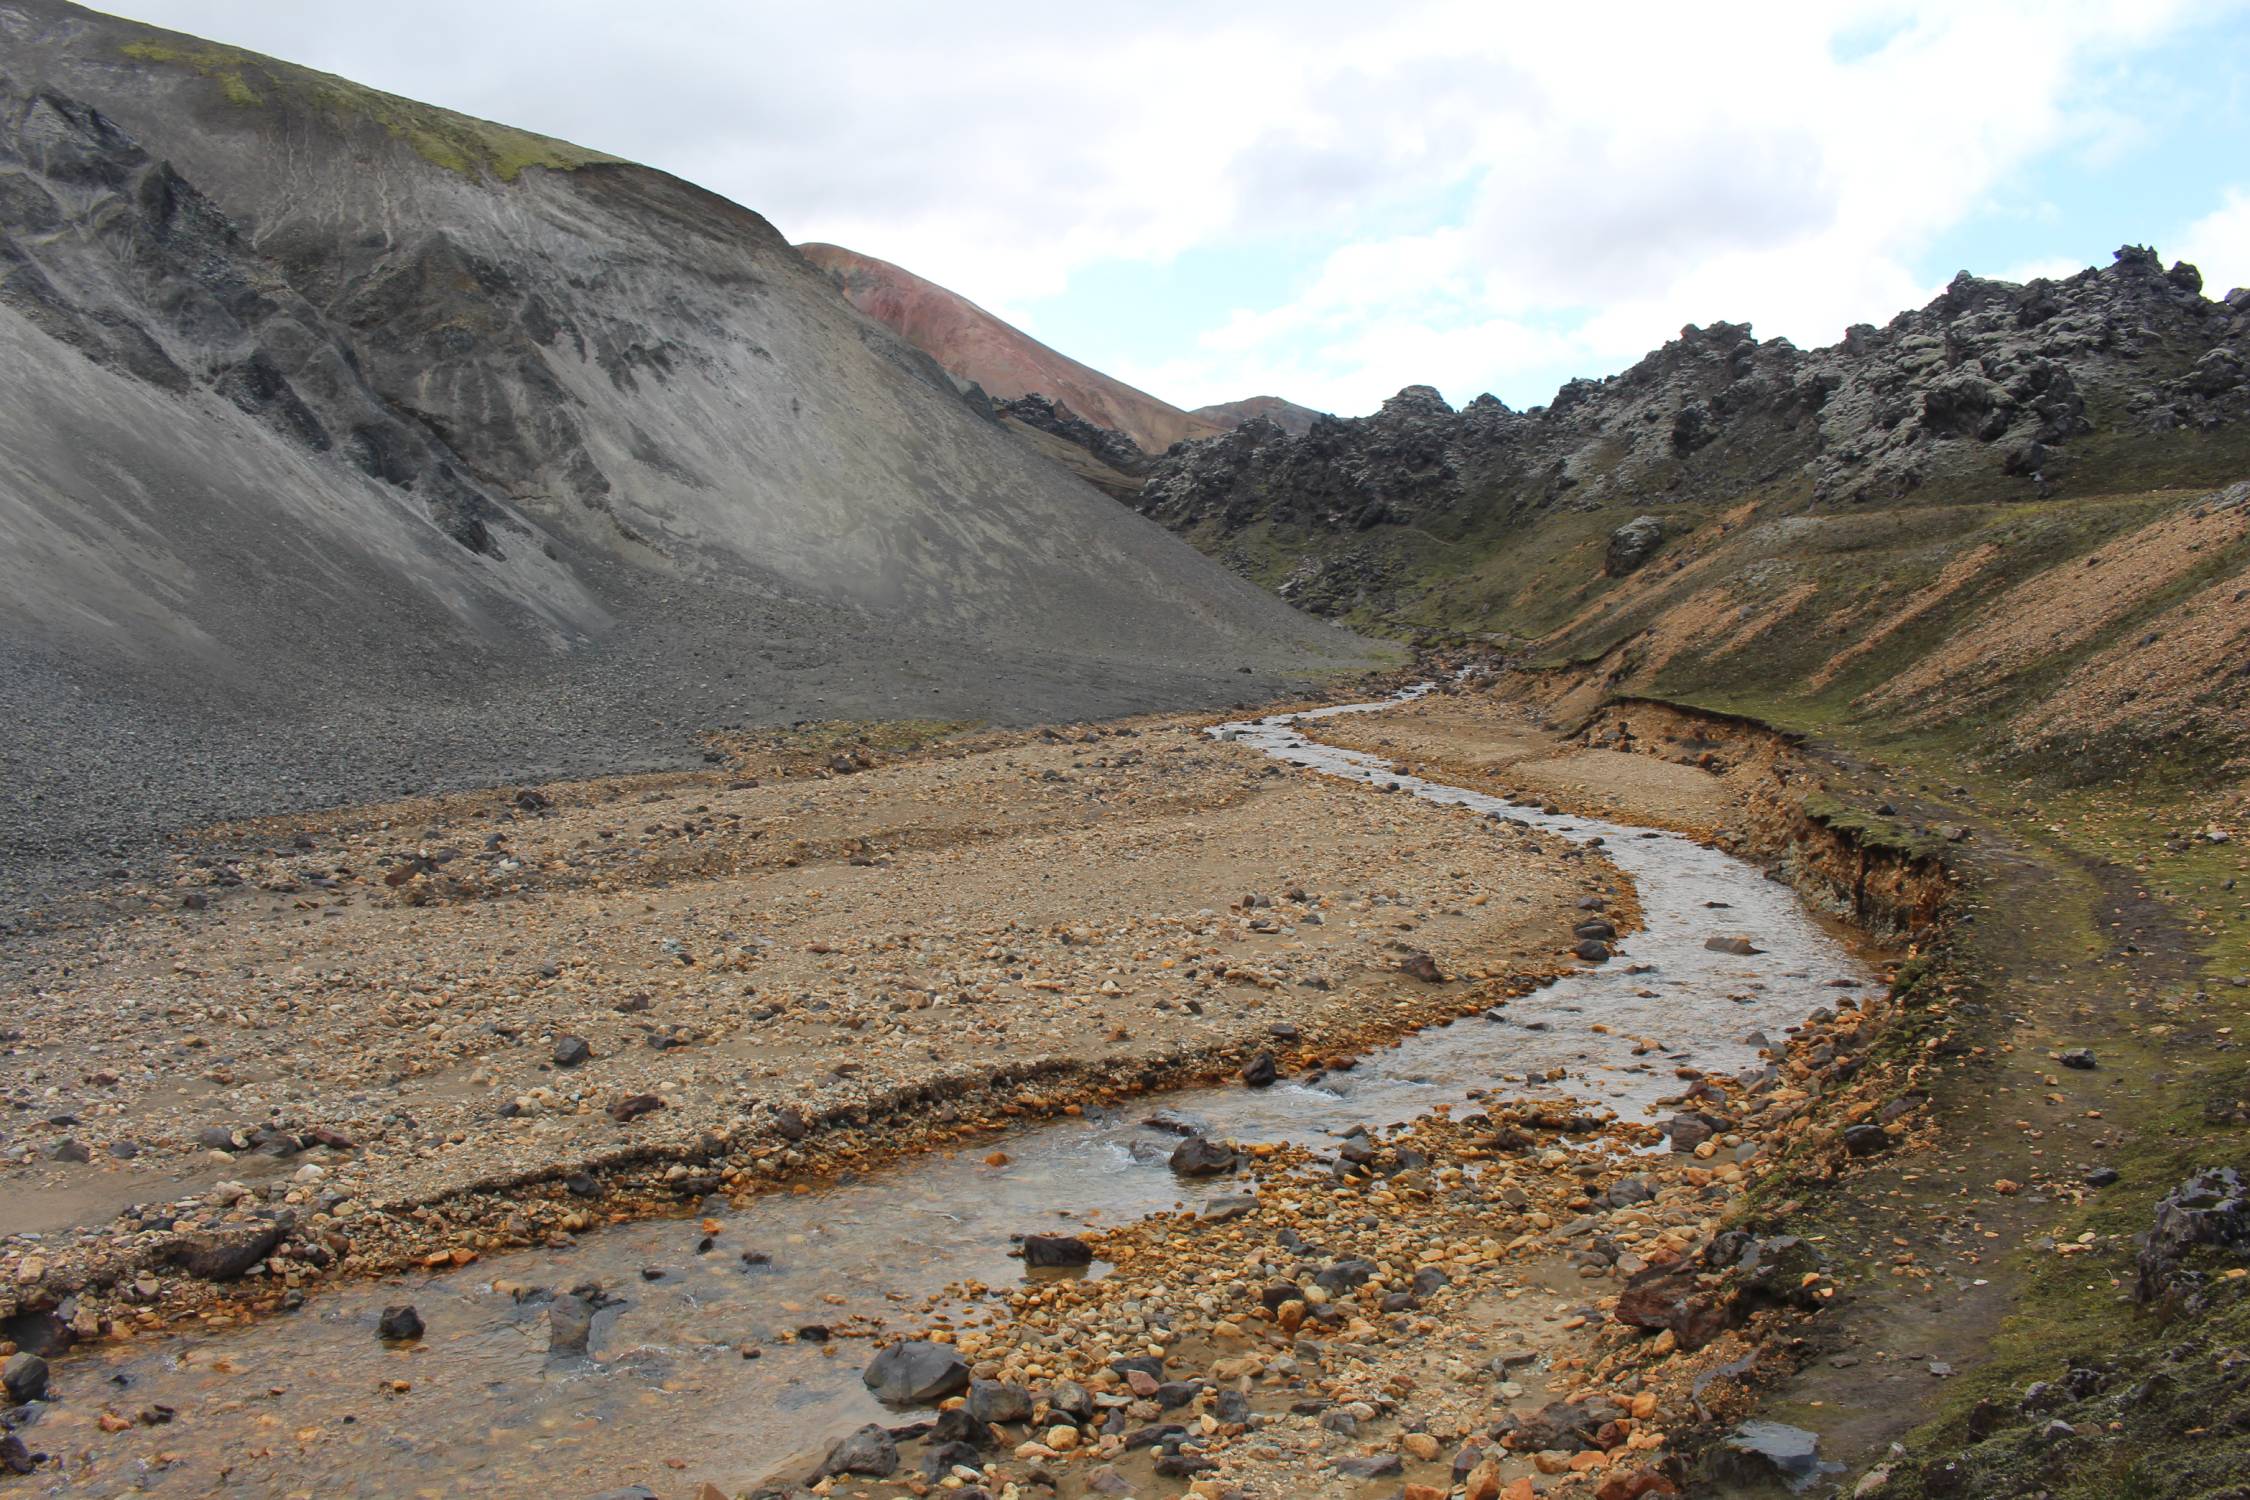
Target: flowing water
[[306, 1404]]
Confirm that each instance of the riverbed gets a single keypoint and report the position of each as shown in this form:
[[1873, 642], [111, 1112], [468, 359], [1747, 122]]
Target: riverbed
[[726, 1344]]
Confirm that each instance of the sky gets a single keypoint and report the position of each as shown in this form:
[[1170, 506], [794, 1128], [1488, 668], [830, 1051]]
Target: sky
[[1329, 201]]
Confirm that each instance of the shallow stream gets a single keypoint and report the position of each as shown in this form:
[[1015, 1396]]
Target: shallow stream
[[304, 1404]]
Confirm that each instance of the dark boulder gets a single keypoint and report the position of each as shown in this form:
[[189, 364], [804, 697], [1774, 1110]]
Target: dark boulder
[[1866, 1140], [400, 1324], [916, 1373], [1674, 1298], [24, 1377], [1050, 1250], [223, 1255], [993, 1402], [1200, 1156], [870, 1452]]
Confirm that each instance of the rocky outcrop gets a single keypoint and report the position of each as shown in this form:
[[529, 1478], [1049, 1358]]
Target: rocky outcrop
[[1107, 446], [1632, 544], [111, 252], [1993, 386]]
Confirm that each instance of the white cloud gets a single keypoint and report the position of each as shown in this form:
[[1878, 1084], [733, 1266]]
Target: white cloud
[[1609, 172], [2218, 244]]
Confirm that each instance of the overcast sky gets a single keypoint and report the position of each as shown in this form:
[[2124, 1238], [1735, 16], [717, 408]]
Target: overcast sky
[[1329, 201]]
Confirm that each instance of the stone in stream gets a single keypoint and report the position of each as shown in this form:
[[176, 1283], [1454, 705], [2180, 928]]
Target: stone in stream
[[570, 1324], [1741, 947], [400, 1324], [993, 1402], [1042, 1251], [1593, 950], [24, 1377], [916, 1373], [1597, 928], [1200, 1156], [1172, 1124], [1261, 1071], [869, 1451], [15, 1458]]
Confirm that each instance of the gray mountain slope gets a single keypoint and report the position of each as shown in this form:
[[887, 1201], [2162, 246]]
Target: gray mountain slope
[[347, 446]]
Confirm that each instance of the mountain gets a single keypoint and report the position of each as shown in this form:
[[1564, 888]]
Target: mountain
[[352, 445], [1287, 415], [1007, 362], [1803, 532]]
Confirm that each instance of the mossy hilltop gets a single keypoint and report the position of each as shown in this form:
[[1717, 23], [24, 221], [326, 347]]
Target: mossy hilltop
[[457, 142]]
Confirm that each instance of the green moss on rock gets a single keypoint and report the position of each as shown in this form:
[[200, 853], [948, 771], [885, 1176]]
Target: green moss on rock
[[456, 142]]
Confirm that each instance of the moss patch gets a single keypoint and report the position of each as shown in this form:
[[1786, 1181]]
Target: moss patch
[[456, 142]]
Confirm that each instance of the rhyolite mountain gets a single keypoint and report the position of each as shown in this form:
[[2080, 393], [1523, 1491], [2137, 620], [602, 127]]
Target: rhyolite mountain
[[999, 358], [349, 446]]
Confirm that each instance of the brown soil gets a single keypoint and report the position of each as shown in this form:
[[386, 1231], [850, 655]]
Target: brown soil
[[2063, 608]]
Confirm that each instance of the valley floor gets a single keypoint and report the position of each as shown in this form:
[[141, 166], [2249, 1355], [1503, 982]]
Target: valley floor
[[421, 1034]]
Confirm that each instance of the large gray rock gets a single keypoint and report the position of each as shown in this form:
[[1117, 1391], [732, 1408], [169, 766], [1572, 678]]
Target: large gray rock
[[917, 1373], [870, 1452], [2211, 1208], [24, 1378], [1200, 1156], [993, 1401], [1768, 1451], [1632, 544], [224, 1254]]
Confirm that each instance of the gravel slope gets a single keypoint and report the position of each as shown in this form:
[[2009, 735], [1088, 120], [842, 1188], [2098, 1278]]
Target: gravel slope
[[348, 446]]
